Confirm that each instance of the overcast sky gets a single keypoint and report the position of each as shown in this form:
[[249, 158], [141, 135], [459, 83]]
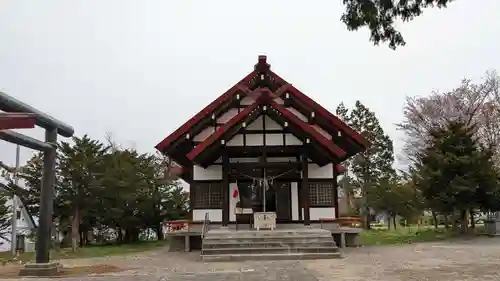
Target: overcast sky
[[139, 69]]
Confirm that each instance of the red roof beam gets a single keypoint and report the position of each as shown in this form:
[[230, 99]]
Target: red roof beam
[[17, 121], [204, 113], [330, 146], [322, 111], [340, 169], [217, 134]]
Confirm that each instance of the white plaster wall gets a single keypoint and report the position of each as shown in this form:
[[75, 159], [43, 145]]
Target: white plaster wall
[[317, 172], [204, 134], [279, 101], [274, 139], [297, 113], [248, 100], [213, 172], [271, 124], [237, 140], [292, 140], [323, 132], [258, 140], [227, 115], [316, 213], [255, 140], [256, 125], [213, 214], [294, 195]]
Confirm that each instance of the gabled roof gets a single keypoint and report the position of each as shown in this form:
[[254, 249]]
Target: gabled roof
[[263, 67], [265, 98], [328, 132], [204, 113]]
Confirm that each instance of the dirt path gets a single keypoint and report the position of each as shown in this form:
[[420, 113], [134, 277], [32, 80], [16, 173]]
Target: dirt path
[[478, 259]]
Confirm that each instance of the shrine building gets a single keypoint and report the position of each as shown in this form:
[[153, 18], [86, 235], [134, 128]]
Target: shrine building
[[263, 146]]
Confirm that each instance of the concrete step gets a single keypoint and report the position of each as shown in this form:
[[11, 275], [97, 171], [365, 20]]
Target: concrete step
[[280, 256], [268, 233], [278, 250], [252, 239], [267, 244]]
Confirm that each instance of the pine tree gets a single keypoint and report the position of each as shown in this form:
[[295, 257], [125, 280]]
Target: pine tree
[[457, 173], [5, 215], [374, 164], [79, 167]]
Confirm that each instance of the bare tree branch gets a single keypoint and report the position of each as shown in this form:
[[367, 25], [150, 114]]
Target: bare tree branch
[[477, 104]]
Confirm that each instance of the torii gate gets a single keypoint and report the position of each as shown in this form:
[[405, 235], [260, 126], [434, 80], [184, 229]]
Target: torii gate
[[18, 115]]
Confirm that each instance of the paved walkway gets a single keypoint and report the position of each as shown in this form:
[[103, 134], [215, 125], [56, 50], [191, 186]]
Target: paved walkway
[[473, 260]]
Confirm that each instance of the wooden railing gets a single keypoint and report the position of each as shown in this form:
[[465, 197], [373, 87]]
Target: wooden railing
[[206, 223]]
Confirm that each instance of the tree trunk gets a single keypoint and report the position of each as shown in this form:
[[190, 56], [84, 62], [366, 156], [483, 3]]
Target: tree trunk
[[131, 235], [472, 219], [75, 225], [119, 237], [367, 219], [446, 221], [435, 219], [394, 222], [388, 222], [159, 232], [464, 221]]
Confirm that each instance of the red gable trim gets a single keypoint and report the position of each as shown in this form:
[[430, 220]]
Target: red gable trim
[[329, 145], [339, 168], [307, 128], [323, 112], [203, 113], [17, 121], [215, 136]]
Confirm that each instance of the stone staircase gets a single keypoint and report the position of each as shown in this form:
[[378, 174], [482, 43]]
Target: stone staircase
[[280, 244]]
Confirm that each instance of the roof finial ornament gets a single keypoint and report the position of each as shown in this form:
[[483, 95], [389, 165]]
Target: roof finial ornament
[[262, 66]]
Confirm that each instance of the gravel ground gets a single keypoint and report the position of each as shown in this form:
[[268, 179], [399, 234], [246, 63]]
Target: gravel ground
[[472, 260]]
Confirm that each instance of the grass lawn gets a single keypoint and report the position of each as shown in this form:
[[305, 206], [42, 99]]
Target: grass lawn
[[404, 235], [89, 251]]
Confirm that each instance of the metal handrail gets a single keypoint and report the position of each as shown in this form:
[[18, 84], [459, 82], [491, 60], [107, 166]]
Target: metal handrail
[[206, 223]]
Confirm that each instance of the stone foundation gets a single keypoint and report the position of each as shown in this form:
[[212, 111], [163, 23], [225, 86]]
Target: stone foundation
[[41, 269]]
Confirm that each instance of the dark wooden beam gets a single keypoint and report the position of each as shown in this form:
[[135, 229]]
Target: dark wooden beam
[[257, 132], [272, 151], [225, 189], [300, 201], [305, 188], [335, 192], [265, 164], [192, 196]]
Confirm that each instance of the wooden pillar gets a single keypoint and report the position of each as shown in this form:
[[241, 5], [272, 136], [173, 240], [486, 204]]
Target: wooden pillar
[[192, 194], [300, 200], [225, 189], [335, 190], [305, 189]]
